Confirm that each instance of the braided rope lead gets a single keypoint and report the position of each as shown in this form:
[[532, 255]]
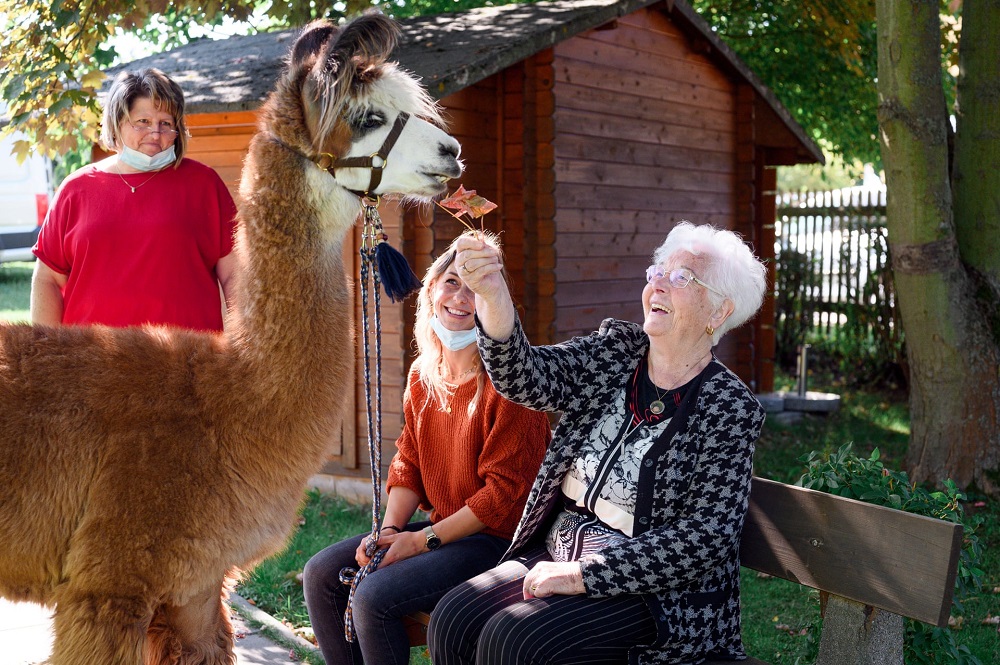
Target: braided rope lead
[[370, 236]]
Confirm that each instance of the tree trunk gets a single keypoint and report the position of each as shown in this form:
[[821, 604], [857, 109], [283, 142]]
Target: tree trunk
[[976, 173], [953, 358]]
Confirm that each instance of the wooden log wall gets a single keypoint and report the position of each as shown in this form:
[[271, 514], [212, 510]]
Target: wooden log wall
[[649, 132]]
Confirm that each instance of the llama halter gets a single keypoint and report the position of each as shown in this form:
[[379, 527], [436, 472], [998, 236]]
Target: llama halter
[[375, 161]]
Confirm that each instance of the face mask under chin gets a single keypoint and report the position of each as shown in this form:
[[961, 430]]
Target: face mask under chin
[[140, 161], [454, 340]]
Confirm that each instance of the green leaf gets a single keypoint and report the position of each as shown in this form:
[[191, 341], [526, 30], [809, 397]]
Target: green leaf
[[64, 102]]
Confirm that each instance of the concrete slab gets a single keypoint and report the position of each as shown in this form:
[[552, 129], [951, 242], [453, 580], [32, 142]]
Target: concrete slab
[[812, 402], [26, 635]]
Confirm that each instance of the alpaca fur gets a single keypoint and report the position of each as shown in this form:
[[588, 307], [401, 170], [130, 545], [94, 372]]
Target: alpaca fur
[[140, 467]]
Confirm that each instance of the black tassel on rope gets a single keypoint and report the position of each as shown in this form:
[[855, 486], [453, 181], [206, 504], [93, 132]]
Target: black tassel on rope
[[395, 273], [398, 278]]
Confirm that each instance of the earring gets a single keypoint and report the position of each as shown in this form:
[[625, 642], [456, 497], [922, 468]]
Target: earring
[[709, 330]]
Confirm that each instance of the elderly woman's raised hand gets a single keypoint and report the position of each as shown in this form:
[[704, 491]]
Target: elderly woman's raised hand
[[480, 266]]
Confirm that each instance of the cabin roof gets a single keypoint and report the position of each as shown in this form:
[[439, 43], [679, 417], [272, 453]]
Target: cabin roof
[[448, 52]]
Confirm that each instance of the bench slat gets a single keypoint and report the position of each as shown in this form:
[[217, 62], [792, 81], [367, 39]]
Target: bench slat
[[898, 561], [416, 628]]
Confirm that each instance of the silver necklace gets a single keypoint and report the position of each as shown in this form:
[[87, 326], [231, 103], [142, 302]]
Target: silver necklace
[[464, 374], [118, 169], [454, 381]]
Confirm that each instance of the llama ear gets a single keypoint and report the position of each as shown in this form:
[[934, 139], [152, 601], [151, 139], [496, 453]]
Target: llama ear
[[365, 42], [310, 43]]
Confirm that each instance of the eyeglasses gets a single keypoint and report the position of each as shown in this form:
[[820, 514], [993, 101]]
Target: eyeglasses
[[678, 278], [144, 127]]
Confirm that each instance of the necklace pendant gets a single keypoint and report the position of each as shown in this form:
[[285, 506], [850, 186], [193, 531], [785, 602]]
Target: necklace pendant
[[133, 189], [656, 407]]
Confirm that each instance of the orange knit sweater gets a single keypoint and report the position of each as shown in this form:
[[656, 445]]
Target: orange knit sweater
[[487, 461]]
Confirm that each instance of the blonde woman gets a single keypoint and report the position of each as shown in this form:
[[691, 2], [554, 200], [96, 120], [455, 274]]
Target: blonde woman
[[466, 454]]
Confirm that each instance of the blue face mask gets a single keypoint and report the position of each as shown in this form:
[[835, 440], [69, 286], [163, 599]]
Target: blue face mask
[[143, 162], [454, 340]]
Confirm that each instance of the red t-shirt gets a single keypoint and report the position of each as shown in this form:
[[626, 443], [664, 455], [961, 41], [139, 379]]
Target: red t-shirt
[[146, 256]]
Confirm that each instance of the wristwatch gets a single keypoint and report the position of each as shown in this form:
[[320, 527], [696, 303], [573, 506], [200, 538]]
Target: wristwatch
[[433, 542]]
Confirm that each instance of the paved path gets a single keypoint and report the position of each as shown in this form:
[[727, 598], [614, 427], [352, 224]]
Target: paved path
[[26, 636]]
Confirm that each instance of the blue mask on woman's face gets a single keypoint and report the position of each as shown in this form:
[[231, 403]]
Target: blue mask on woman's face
[[454, 340], [143, 162]]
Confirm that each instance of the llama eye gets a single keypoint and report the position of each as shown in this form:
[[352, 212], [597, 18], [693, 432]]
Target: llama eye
[[370, 121]]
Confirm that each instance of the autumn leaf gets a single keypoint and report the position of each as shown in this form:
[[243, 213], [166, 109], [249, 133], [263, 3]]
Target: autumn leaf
[[467, 202]]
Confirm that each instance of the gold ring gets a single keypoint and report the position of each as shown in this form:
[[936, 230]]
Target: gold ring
[[533, 587]]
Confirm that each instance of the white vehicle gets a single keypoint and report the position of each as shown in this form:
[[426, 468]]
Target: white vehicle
[[25, 192]]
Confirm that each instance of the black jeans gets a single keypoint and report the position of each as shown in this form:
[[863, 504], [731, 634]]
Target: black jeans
[[386, 595]]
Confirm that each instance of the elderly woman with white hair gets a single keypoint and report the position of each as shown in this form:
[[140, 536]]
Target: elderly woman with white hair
[[628, 548]]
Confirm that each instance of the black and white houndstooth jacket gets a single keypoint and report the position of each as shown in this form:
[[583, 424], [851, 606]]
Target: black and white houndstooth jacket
[[692, 492]]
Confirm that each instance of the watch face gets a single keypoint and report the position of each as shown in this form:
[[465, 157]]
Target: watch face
[[433, 542]]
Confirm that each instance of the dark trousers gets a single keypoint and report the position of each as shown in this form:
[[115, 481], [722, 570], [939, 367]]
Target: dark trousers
[[486, 621], [386, 595]]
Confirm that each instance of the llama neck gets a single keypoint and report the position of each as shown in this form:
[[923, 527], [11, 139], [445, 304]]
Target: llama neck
[[293, 323]]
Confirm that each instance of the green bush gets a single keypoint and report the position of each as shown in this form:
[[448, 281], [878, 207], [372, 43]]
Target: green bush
[[845, 474]]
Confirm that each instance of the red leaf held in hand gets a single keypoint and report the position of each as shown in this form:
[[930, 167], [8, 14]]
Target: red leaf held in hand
[[467, 202]]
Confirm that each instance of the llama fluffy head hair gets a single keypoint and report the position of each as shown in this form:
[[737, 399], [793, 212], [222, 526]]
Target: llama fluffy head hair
[[345, 65], [730, 267]]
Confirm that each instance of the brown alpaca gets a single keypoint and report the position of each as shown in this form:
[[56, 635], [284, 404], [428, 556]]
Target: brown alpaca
[[140, 467]]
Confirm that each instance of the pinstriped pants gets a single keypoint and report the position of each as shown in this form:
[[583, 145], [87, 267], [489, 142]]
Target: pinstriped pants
[[486, 621]]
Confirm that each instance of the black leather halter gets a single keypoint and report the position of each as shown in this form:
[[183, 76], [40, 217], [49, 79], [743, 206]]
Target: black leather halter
[[376, 161]]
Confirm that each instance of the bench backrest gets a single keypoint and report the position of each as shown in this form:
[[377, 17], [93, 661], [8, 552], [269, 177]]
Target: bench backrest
[[897, 561]]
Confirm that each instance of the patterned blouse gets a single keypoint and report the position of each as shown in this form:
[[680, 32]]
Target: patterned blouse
[[600, 489]]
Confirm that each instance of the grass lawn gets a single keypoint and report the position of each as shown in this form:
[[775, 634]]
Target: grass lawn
[[781, 622], [15, 290]]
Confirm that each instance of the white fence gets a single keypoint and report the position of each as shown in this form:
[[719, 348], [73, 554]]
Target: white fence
[[833, 269]]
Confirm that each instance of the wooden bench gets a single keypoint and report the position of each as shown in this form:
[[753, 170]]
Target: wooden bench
[[872, 565]]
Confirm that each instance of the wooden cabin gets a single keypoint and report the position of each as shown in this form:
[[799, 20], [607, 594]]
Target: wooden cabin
[[595, 125]]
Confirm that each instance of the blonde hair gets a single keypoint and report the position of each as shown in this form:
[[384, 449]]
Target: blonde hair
[[429, 348], [143, 83]]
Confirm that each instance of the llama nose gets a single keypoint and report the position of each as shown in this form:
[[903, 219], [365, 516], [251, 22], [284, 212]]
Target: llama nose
[[449, 149]]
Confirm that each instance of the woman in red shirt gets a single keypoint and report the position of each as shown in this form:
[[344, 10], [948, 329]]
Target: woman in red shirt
[[466, 455], [143, 236]]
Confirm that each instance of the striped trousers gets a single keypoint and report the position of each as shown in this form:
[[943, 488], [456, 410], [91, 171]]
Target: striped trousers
[[486, 621]]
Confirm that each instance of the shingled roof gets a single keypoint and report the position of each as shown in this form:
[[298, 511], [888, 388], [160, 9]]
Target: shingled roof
[[448, 52]]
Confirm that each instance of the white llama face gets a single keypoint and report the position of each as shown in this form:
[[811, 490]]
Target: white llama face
[[423, 158]]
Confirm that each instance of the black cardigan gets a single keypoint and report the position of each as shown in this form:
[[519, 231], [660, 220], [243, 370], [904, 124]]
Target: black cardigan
[[692, 493]]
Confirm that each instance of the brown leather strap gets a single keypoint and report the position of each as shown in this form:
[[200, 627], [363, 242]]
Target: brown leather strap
[[370, 161]]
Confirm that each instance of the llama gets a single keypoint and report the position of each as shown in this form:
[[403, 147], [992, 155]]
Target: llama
[[140, 467]]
